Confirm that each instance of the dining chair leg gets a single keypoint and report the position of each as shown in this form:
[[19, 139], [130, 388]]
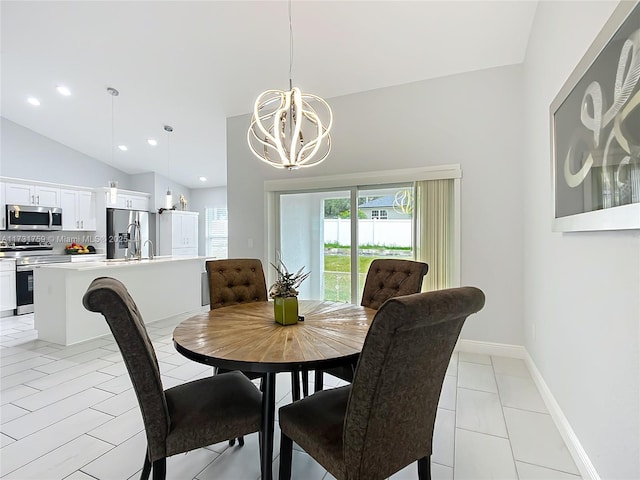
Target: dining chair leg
[[241, 441], [160, 469], [305, 382], [295, 385], [319, 379], [286, 454], [424, 468], [146, 468]]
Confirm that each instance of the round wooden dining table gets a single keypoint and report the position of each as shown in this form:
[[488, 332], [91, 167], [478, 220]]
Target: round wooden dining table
[[246, 337]]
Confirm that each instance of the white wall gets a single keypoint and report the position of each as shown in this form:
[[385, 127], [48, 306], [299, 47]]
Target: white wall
[[27, 154], [474, 120], [582, 290], [160, 186]]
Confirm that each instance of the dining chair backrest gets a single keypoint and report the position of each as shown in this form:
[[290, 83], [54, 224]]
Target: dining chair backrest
[[235, 280], [395, 391], [110, 297], [390, 277]]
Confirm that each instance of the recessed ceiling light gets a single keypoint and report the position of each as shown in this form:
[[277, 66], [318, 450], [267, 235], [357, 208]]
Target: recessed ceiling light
[[62, 90], [152, 141], [33, 101], [124, 148], [203, 179]]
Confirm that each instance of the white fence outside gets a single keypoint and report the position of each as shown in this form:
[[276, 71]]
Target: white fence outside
[[390, 233]]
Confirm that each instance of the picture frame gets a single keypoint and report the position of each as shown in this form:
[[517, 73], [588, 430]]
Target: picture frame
[[595, 132]]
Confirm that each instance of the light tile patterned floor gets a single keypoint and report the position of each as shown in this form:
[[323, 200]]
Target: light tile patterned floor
[[70, 413]]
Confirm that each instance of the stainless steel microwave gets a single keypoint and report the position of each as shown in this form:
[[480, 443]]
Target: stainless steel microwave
[[30, 217]]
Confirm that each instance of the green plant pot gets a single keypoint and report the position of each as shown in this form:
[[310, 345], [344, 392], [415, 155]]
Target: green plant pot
[[285, 310]]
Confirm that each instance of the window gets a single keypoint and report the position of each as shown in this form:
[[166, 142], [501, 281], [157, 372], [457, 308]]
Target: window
[[379, 214], [216, 232], [327, 225], [318, 231]]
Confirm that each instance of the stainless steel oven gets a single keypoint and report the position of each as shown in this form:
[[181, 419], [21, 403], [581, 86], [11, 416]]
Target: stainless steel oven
[[28, 256], [24, 278]]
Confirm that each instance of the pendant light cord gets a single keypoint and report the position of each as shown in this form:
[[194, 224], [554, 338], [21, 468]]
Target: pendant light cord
[[114, 93], [168, 129], [112, 129]]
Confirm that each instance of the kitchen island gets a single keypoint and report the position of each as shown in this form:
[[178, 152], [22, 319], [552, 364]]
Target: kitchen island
[[162, 287]]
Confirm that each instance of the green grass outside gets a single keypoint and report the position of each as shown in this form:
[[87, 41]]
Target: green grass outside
[[367, 247], [337, 276]]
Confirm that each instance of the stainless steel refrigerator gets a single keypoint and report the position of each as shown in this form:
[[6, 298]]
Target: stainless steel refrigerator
[[128, 230]]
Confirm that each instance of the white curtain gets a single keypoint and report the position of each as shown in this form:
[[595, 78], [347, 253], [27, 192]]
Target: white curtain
[[434, 231]]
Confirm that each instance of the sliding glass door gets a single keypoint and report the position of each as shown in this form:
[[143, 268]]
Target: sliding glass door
[[319, 231], [302, 235], [385, 227]]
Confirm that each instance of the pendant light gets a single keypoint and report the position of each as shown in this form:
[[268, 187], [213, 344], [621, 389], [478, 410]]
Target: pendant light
[[113, 184], [168, 201], [286, 131]]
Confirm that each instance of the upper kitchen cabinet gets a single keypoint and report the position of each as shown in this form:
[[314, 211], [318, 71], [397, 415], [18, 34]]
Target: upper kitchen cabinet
[[78, 210], [27, 194], [178, 233], [130, 201]]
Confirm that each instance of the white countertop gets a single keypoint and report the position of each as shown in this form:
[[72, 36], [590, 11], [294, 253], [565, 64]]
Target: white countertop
[[117, 263]]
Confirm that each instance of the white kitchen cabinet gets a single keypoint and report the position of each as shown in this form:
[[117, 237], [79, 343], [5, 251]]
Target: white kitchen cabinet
[[178, 233], [88, 257], [129, 201], [78, 210], [26, 194], [7, 285], [3, 210]]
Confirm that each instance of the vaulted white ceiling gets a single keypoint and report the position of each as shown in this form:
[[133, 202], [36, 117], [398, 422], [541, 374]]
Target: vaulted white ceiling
[[193, 64]]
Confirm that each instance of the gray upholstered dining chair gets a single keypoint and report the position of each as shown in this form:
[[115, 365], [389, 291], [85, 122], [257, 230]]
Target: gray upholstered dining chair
[[241, 280], [235, 280], [386, 278], [182, 418], [384, 420]]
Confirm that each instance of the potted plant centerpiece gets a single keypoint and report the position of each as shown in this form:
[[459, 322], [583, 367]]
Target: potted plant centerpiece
[[284, 293]]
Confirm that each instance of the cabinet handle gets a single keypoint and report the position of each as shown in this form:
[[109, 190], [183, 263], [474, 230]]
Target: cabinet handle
[[82, 223], [33, 199], [38, 197], [77, 225]]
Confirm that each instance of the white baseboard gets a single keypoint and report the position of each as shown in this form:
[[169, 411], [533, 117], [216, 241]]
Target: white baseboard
[[497, 349], [580, 457]]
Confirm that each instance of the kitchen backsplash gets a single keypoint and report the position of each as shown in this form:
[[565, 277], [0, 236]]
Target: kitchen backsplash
[[58, 240]]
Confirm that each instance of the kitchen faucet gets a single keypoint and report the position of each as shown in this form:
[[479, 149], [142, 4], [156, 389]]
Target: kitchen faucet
[[136, 241], [151, 249]]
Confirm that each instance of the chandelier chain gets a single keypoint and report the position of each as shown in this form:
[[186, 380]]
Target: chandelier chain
[[290, 129], [290, 48]]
